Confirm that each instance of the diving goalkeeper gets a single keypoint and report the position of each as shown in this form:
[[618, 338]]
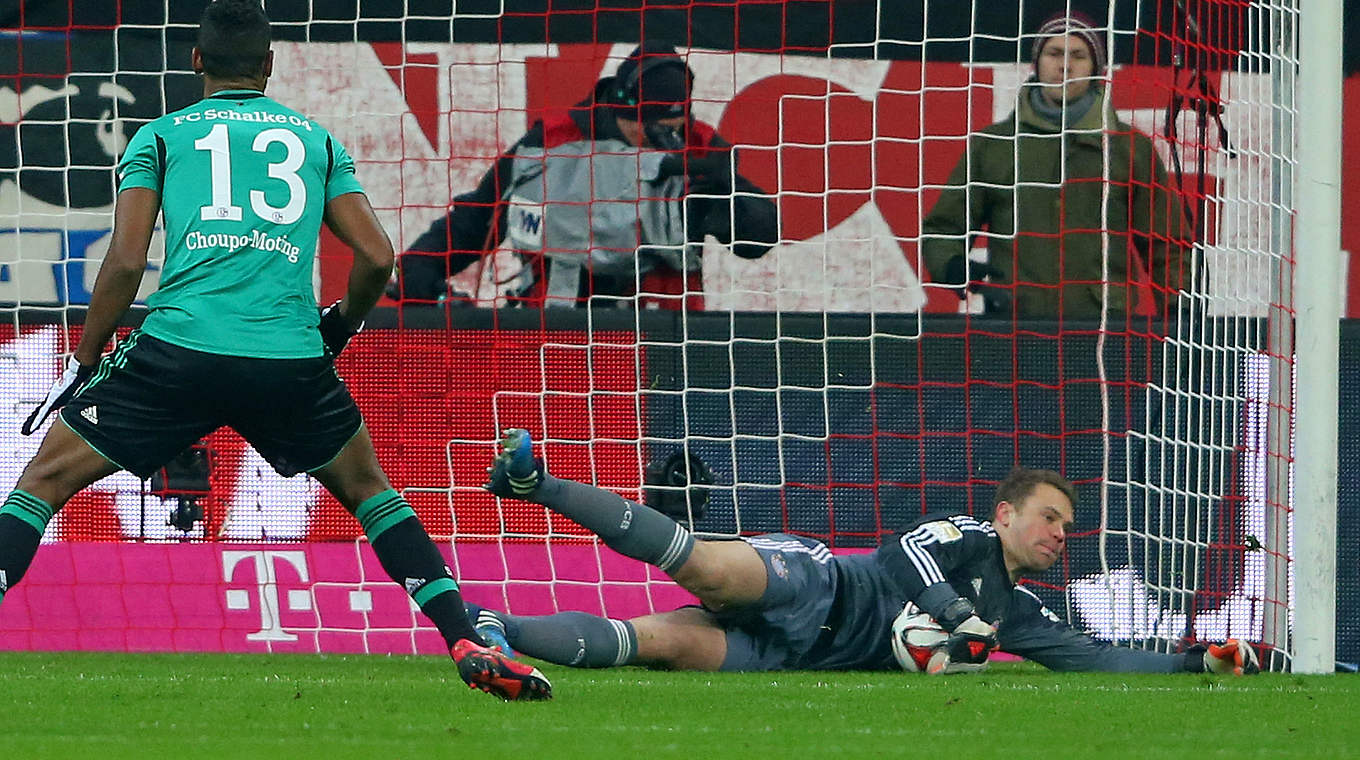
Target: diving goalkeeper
[[782, 602]]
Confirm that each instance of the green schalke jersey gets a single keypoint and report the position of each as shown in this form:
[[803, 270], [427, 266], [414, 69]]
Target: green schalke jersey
[[243, 183]]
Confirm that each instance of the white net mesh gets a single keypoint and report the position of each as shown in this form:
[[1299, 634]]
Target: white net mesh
[[835, 385]]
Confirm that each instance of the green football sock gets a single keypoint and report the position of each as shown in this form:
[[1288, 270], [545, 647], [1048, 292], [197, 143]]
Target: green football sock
[[411, 559], [23, 520]]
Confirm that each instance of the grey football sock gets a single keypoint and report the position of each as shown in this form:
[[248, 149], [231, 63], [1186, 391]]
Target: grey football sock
[[572, 638], [631, 529]]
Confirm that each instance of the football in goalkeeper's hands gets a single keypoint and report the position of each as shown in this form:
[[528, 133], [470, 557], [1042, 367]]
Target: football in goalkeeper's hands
[[917, 639]]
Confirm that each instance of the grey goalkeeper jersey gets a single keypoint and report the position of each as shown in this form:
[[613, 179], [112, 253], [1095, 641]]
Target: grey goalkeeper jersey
[[945, 557]]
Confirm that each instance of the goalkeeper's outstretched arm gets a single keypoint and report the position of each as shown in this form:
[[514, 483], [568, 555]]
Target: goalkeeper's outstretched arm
[[1031, 631], [1060, 647]]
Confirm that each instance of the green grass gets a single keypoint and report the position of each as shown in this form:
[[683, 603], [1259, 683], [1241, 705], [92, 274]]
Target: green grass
[[327, 708]]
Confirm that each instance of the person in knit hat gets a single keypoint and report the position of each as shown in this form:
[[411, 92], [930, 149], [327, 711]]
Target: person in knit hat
[[1069, 62], [1075, 24], [628, 228], [1034, 186]]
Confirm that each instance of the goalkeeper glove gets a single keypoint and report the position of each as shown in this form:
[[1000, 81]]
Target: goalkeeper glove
[[335, 329], [72, 379], [1232, 656], [966, 650]]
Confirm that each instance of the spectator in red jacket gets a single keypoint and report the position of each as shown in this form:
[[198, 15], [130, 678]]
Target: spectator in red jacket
[[605, 201]]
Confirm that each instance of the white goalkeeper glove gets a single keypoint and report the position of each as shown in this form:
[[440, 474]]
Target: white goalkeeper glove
[[72, 379], [1232, 656], [966, 650]]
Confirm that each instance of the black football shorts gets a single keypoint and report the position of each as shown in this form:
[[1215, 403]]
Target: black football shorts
[[149, 400]]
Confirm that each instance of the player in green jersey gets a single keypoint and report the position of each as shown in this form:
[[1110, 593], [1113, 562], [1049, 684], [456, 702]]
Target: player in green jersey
[[233, 336]]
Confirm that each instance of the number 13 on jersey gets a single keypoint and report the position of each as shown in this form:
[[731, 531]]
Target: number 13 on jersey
[[221, 208]]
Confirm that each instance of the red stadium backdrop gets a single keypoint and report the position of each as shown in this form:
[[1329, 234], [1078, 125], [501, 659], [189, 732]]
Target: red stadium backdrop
[[420, 394]]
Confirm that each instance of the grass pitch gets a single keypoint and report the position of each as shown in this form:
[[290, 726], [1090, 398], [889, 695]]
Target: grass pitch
[[66, 705]]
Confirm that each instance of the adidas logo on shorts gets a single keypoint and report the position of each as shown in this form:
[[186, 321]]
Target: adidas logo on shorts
[[90, 413]]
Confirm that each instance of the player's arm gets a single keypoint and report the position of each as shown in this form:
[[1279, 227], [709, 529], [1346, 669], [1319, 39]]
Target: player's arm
[[120, 275], [921, 563], [140, 174], [1060, 647], [351, 218], [1035, 633], [114, 290], [921, 560]]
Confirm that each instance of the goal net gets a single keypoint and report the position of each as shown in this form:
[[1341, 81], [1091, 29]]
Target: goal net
[[836, 386]]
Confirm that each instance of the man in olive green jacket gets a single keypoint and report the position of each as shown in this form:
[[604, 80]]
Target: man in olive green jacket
[[1037, 194]]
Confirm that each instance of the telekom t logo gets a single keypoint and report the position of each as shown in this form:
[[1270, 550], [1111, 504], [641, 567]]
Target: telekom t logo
[[267, 589]]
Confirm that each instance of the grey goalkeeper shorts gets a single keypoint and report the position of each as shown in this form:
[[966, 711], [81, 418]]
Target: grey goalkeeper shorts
[[777, 632]]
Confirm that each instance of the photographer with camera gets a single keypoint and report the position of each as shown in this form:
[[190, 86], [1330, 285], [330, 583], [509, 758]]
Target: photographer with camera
[[612, 197]]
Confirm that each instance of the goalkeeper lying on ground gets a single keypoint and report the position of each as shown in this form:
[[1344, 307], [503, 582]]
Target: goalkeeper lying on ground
[[781, 602]]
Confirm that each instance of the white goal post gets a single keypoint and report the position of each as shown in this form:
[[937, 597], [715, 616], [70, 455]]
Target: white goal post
[[1318, 304]]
